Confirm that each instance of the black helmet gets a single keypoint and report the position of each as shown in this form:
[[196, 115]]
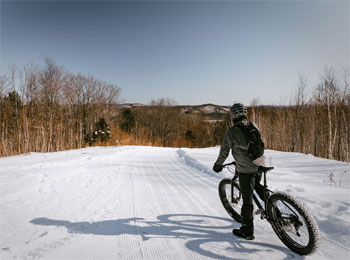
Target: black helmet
[[238, 110]]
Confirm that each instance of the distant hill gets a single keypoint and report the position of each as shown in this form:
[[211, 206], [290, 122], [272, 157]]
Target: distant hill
[[129, 105], [205, 109]]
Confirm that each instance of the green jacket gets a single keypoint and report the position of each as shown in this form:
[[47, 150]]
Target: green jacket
[[235, 140]]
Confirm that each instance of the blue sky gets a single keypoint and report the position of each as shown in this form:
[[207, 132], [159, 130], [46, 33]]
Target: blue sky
[[193, 52]]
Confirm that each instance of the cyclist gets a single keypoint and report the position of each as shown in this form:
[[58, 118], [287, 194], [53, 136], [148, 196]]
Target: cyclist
[[249, 178]]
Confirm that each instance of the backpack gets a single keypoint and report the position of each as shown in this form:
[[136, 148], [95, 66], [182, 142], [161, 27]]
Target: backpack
[[255, 145]]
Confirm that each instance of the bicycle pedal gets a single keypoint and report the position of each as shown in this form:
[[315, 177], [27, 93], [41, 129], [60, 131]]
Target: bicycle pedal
[[259, 211]]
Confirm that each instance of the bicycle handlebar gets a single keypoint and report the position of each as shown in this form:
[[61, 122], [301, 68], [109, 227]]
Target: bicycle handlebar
[[261, 168], [231, 163]]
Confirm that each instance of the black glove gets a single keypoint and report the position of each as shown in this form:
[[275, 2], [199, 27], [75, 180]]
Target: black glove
[[217, 168]]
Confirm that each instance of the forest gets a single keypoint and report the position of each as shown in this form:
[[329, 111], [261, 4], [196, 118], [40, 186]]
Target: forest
[[48, 109]]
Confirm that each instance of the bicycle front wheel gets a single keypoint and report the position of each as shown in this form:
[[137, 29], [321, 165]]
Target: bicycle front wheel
[[293, 223], [232, 208]]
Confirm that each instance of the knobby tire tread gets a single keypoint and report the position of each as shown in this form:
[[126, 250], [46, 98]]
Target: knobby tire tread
[[312, 227], [223, 197]]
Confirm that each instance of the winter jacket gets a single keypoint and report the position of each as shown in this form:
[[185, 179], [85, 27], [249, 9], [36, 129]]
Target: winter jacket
[[235, 140]]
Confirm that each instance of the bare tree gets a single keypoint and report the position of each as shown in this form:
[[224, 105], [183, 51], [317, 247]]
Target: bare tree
[[329, 94]]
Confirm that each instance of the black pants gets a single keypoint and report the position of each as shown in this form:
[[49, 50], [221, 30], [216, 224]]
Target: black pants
[[248, 182]]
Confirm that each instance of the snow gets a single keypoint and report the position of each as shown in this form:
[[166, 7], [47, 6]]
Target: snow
[[134, 202]]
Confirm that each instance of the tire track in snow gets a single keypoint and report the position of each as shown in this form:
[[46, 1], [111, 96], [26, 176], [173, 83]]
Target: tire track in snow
[[140, 189], [162, 191], [205, 231], [150, 217], [182, 181], [171, 208], [167, 188], [127, 215]]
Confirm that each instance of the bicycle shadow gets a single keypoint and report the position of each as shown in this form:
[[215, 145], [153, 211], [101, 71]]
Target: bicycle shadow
[[197, 229]]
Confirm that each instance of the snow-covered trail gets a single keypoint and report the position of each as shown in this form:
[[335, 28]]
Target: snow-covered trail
[[152, 203]]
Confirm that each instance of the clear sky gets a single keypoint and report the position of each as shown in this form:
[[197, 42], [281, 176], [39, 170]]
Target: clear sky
[[193, 52]]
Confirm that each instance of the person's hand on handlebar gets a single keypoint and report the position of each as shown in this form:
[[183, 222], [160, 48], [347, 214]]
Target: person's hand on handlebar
[[217, 168]]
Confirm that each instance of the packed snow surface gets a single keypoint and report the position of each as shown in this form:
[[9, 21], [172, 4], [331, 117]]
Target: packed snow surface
[[137, 202]]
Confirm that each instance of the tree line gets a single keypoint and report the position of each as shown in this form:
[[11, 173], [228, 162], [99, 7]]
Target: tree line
[[317, 124], [162, 123], [50, 109], [46, 109]]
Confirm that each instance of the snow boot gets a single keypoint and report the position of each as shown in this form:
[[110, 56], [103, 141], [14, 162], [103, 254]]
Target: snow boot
[[240, 233]]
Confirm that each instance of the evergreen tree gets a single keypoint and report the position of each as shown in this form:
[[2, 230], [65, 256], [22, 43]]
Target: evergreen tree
[[12, 105], [128, 121], [102, 132]]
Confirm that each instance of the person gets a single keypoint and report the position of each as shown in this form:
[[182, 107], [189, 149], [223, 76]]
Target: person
[[249, 177]]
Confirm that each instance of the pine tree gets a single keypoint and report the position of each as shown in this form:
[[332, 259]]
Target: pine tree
[[128, 121], [101, 133]]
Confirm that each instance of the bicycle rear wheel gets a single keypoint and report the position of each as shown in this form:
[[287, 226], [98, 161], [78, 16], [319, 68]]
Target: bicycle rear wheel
[[232, 208], [293, 223]]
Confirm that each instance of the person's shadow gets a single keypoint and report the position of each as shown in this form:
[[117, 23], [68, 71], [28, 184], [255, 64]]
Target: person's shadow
[[198, 229]]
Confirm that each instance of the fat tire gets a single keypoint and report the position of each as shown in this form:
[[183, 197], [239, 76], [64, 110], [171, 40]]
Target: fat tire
[[223, 197], [312, 227]]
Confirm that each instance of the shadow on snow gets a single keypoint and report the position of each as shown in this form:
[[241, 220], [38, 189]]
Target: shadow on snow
[[198, 229]]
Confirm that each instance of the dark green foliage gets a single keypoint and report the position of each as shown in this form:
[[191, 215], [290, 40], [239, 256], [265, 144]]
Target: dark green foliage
[[127, 121], [11, 107], [101, 133]]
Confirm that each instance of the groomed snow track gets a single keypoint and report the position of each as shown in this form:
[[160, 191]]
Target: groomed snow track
[[123, 203]]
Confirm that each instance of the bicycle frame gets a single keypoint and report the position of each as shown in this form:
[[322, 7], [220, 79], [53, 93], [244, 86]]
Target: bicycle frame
[[285, 213], [262, 210], [267, 193]]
